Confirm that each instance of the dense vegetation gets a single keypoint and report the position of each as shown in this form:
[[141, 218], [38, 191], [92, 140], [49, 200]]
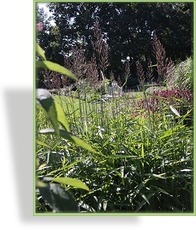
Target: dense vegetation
[[99, 146], [127, 29]]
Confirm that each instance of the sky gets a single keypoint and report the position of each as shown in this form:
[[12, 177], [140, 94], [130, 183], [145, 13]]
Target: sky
[[46, 10], [44, 6]]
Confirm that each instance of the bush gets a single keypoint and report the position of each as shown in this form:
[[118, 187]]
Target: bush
[[183, 76], [181, 99], [151, 90]]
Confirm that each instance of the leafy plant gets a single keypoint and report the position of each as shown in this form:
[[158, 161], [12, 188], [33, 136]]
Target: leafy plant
[[58, 199], [139, 167], [130, 160], [183, 75], [181, 99]]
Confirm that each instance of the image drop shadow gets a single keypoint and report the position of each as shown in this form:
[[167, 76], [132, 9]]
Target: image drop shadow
[[19, 109]]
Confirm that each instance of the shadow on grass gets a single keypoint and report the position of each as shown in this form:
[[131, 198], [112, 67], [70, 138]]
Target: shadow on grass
[[19, 109]]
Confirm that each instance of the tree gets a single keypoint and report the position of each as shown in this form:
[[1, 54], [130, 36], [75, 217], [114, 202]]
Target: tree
[[127, 28]]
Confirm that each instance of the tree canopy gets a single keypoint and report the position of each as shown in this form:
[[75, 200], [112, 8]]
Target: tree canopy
[[126, 27]]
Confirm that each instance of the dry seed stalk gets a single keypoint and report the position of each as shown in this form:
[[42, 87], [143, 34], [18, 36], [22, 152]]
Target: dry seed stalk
[[100, 48]]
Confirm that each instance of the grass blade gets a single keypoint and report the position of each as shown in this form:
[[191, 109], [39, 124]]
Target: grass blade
[[174, 111]]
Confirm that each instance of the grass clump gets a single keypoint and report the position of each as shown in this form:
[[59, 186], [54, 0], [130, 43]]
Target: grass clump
[[113, 153], [183, 75], [138, 167]]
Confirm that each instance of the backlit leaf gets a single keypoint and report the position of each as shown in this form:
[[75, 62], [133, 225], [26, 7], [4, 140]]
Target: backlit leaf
[[55, 67], [70, 137], [142, 151], [61, 117], [174, 111], [41, 52], [160, 176], [42, 144], [71, 181]]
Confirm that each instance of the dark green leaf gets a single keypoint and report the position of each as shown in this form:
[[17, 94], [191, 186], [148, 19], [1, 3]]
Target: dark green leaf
[[47, 102], [146, 200], [58, 198]]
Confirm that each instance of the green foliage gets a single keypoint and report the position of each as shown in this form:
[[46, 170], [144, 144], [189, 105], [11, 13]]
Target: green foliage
[[71, 181], [55, 67], [171, 21], [64, 134], [47, 102], [59, 199], [179, 101], [129, 159], [140, 167], [41, 52], [55, 195], [183, 75]]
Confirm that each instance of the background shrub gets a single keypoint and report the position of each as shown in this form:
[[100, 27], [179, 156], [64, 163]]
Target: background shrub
[[160, 101], [182, 76]]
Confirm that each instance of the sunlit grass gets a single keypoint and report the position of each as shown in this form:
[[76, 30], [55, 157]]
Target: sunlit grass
[[143, 164]]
